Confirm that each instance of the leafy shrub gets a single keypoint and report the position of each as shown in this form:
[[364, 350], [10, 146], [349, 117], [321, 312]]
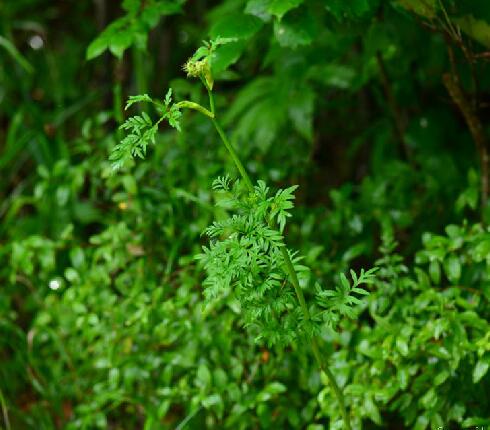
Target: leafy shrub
[[376, 110]]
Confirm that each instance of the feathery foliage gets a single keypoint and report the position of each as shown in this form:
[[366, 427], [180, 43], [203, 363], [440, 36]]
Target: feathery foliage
[[108, 319]]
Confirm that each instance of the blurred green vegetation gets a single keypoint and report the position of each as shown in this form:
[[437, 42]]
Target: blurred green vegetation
[[379, 110]]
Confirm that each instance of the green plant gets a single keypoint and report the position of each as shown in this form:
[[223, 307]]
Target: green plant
[[103, 323], [432, 325], [132, 29], [248, 253]]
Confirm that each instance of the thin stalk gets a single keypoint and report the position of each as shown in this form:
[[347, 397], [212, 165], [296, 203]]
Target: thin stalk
[[289, 268], [233, 155], [477, 132], [139, 71], [3, 404], [117, 103], [332, 381], [196, 106], [314, 342], [211, 98]]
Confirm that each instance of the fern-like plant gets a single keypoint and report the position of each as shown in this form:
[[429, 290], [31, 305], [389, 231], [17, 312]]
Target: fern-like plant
[[247, 255]]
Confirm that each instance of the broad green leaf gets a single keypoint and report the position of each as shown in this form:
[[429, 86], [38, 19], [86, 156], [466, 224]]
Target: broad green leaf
[[97, 47], [203, 376], [477, 8], [482, 250], [15, 54], [475, 28], [441, 377], [454, 231], [301, 112], [402, 377], [480, 369], [77, 257], [372, 410], [476, 421], [437, 422], [280, 7], [220, 378], [452, 267], [227, 55], [334, 75], [402, 346], [297, 28], [212, 400], [270, 390], [425, 8], [421, 423], [120, 42], [435, 271], [239, 26], [259, 8], [275, 388], [131, 29], [131, 6], [429, 399]]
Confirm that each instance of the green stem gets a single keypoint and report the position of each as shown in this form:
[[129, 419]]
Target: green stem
[[139, 71], [233, 155], [211, 98], [117, 103], [3, 404], [289, 268], [332, 381], [186, 104], [314, 342]]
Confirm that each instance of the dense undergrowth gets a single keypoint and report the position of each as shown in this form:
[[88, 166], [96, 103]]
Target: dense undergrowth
[[117, 312]]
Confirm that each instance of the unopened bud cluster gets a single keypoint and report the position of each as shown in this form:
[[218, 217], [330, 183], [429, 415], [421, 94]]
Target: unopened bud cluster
[[196, 68]]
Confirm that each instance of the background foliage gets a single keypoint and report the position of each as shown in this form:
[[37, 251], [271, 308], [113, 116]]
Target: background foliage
[[378, 110]]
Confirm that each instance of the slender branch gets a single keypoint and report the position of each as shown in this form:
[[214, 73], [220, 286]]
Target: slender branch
[[210, 95], [314, 342], [117, 103], [191, 415], [191, 105], [290, 271], [452, 58], [484, 55], [117, 92], [332, 381], [233, 155], [470, 59], [5, 413], [476, 129], [469, 108]]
